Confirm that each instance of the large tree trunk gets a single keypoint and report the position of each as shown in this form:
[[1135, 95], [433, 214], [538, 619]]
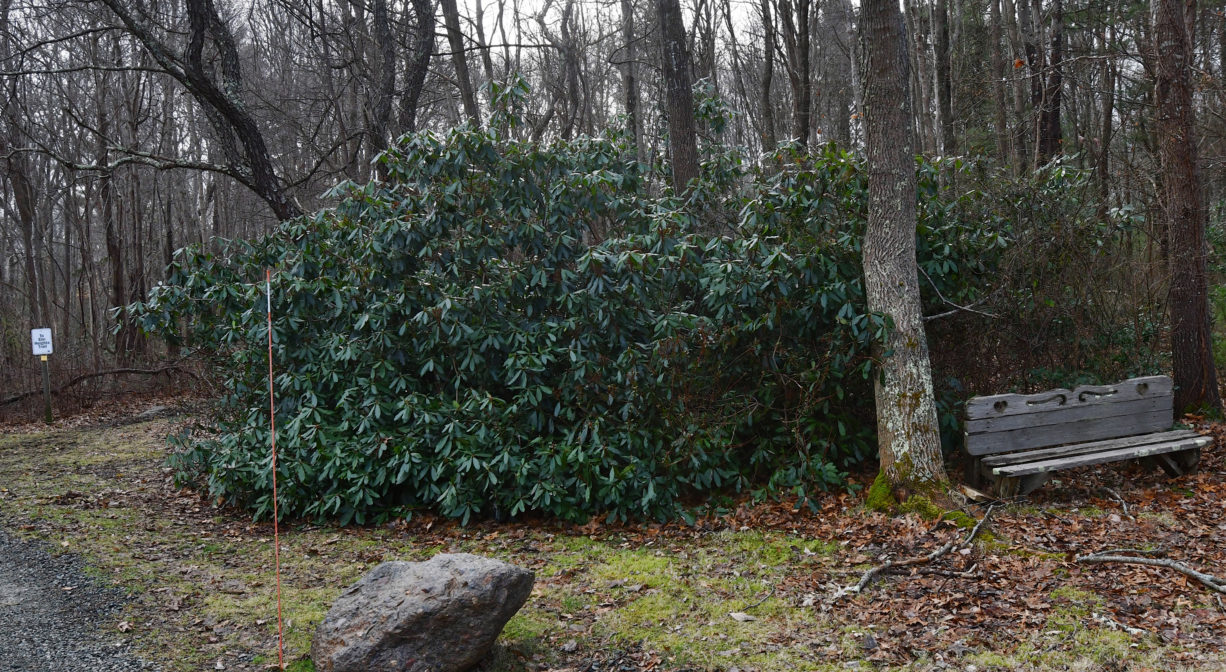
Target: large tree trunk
[[1183, 209], [381, 114], [455, 38], [679, 95], [419, 63], [907, 430]]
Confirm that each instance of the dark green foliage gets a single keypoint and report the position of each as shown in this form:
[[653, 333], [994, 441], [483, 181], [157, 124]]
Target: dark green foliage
[[504, 328]]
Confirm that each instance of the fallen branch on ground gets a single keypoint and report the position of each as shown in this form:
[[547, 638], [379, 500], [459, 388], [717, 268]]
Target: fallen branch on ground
[[1212, 582], [97, 374], [922, 560], [1116, 625], [1123, 504]]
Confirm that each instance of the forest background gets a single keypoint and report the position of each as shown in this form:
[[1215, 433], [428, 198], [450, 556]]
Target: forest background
[[133, 129]]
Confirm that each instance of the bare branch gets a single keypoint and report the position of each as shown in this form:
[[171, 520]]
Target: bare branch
[[1210, 581], [922, 560], [97, 374]]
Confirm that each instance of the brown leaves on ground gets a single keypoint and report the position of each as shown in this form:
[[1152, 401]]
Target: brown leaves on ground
[[1016, 592]]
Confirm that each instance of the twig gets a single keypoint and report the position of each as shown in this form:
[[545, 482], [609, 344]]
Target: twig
[[1137, 551], [921, 560], [968, 574], [1210, 581], [757, 604], [1116, 625], [987, 514], [956, 307], [1123, 504]]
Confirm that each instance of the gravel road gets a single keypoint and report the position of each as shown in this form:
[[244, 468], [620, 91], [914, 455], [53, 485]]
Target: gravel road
[[53, 618]]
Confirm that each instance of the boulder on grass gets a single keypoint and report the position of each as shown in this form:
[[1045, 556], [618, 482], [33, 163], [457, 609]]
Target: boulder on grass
[[441, 615]]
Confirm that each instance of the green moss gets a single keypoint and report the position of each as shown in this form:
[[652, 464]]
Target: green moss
[[930, 511], [881, 495], [772, 549], [922, 506], [1075, 602], [991, 661], [636, 566]]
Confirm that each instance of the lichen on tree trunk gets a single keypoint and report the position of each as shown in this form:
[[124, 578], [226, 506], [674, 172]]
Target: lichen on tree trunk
[[907, 431]]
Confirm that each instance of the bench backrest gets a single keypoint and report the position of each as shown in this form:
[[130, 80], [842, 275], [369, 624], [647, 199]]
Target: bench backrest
[[1004, 423]]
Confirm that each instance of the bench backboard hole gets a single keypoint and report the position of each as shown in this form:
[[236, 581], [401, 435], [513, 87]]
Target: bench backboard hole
[[1142, 388], [1000, 406]]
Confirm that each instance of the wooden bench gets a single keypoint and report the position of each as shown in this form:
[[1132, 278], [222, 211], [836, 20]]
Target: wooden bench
[[1017, 440]]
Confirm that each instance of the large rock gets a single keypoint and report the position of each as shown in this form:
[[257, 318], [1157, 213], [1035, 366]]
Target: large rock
[[441, 615]]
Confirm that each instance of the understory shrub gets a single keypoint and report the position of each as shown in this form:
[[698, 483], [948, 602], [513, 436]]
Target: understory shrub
[[1074, 293], [501, 327]]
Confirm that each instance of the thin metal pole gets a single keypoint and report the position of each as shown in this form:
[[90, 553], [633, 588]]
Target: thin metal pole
[[46, 390], [272, 425]]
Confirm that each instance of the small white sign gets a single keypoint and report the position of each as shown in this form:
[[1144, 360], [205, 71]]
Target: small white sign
[[40, 339]]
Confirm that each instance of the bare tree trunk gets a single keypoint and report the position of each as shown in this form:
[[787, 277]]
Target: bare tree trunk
[[630, 84], [796, 26], [17, 172], [1183, 209], [381, 115], [856, 48], [487, 60], [944, 81], [419, 63], [769, 142], [1021, 133], [738, 69], [1050, 135], [570, 62], [24, 199], [679, 95], [919, 28], [114, 253], [1102, 167], [1000, 77], [907, 430], [222, 100], [455, 38]]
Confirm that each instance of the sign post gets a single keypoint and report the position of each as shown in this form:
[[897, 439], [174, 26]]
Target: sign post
[[40, 343]]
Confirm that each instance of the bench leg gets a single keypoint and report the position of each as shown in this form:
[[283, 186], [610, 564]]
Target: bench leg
[[972, 473], [1178, 464], [1006, 488], [1015, 486]]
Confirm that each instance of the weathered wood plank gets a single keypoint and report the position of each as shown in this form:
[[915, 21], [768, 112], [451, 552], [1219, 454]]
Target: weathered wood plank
[[1072, 413], [1000, 405], [1101, 457], [1004, 459], [1075, 432]]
